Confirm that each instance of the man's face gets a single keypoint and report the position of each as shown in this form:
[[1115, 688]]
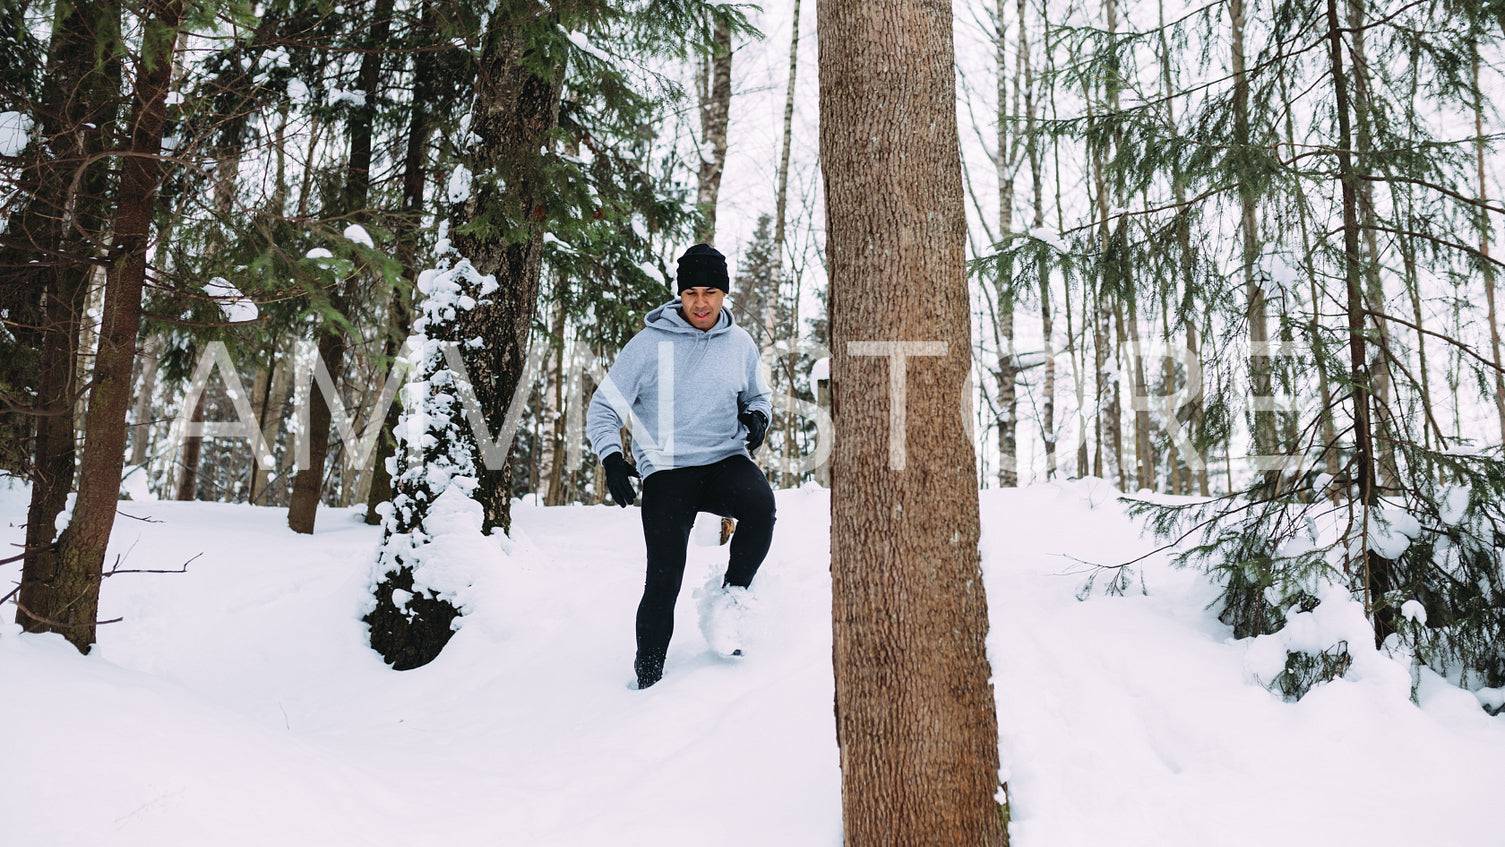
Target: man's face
[[701, 306]]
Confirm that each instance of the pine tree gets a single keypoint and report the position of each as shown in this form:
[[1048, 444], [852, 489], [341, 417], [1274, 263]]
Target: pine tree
[[415, 592]]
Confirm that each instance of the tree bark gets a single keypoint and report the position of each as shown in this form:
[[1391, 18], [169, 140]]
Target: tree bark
[[53, 266], [715, 88], [1485, 224], [308, 483], [141, 419], [781, 198], [1255, 312], [190, 455], [1042, 270], [1374, 569], [74, 599], [514, 110], [414, 179], [1361, 103], [1008, 360], [915, 715]]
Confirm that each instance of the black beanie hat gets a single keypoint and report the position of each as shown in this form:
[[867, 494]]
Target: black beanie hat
[[702, 266]]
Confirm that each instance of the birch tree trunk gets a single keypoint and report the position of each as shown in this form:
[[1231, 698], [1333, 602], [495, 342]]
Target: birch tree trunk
[[1042, 271], [915, 715], [714, 84], [1008, 360]]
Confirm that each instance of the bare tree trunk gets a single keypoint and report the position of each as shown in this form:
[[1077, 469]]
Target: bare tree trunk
[[915, 715], [1374, 569], [1374, 293], [1007, 374], [559, 380], [308, 483], [190, 455], [781, 200], [268, 420], [414, 178], [1195, 419], [1037, 187], [141, 418], [714, 83], [72, 603], [1255, 312], [1144, 460], [1487, 268], [1096, 313]]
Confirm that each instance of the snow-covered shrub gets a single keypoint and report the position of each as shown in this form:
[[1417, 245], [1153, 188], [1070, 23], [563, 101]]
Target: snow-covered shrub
[[1431, 588], [431, 525]]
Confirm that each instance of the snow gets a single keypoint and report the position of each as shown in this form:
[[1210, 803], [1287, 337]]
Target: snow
[[1051, 237], [15, 133], [357, 234], [236, 307], [458, 187], [354, 98], [238, 704], [319, 253]]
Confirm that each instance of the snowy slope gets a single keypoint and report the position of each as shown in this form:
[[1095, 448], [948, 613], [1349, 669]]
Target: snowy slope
[[237, 703]]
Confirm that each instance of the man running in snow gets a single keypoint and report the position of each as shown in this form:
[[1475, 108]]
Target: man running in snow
[[691, 384]]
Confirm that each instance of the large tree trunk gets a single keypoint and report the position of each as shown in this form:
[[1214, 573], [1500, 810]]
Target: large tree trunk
[[514, 110], [714, 84], [54, 268], [74, 599], [915, 715]]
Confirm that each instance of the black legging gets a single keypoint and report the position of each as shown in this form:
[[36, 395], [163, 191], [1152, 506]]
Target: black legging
[[731, 488]]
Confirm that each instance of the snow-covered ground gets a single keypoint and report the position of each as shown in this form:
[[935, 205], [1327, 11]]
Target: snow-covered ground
[[238, 704]]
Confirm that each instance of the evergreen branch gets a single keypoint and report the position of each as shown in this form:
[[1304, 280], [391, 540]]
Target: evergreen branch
[[1426, 408], [1482, 204], [1441, 242], [1126, 213], [1453, 341], [1382, 21]]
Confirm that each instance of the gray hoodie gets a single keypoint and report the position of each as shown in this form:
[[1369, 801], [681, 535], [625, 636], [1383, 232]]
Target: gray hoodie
[[682, 390]]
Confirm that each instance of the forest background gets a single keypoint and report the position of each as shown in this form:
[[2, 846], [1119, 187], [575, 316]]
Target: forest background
[[1237, 251]]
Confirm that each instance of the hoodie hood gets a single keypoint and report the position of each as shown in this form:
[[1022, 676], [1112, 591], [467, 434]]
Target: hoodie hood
[[668, 318]]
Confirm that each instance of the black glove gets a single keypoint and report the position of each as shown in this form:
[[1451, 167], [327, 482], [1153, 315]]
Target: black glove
[[757, 428], [618, 473]]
